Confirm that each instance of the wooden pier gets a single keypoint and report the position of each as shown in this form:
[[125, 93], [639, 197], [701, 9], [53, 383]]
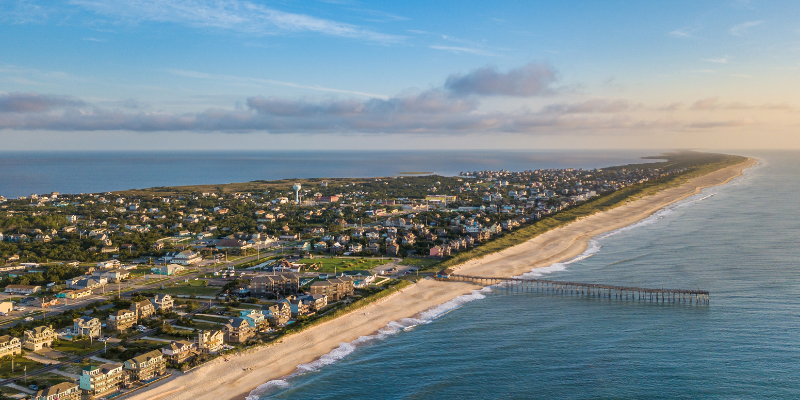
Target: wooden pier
[[587, 289]]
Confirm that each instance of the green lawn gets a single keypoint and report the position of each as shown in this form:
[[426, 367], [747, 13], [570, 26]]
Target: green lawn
[[343, 264], [78, 347], [47, 379], [19, 366], [189, 289]]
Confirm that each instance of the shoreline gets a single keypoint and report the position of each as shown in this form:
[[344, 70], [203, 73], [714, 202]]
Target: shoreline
[[253, 368]]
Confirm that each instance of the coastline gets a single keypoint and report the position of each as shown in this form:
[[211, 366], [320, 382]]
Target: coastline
[[221, 379]]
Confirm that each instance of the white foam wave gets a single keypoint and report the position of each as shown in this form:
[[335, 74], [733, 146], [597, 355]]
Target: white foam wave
[[391, 328]]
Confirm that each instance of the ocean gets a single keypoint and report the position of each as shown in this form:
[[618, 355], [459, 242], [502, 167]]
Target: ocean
[[739, 241], [24, 173]]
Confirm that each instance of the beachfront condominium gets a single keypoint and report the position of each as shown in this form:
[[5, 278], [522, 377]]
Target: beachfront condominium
[[121, 320], [98, 381], [146, 366], [209, 341]]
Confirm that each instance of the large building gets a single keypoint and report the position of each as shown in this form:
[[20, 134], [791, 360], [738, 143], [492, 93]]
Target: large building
[[275, 284], [98, 381], [122, 320], [146, 366], [143, 309], [238, 330], [60, 391], [22, 289], [178, 351], [163, 302], [38, 338], [209, 341], [86, 326], [10, 346], [279, 314], [335, 288]]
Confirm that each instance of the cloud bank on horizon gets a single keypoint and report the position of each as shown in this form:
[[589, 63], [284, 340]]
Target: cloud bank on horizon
[[242, 67]]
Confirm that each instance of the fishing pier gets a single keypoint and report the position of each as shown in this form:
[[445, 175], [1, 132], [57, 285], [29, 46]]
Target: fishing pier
[[585, 289]]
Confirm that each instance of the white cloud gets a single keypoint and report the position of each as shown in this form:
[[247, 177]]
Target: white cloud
[[686, 32], [456, 49], [234, 15], [723, 60], [741, 29]]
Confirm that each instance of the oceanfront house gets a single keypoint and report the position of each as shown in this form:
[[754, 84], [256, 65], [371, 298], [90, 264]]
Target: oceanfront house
[[38, 338], [147, 366], [209, 342], [143, 309], [163, 302], [178, 351], [121, 320], [315, 302], [274, 284], [86, 326], [101, 380], [445, 273], [10, 346], [60, 391], [300, 307], [255, 318], [170, 269], [279, 314], [238, 330], [22, 289]]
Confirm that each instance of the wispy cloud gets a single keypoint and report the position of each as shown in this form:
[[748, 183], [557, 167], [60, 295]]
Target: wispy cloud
[[234, 15], [745, 76], [741, 29], [529, 80], [239, 79], [686, 32], [36, 103], [456, 49], [91, 39], [723, 60]]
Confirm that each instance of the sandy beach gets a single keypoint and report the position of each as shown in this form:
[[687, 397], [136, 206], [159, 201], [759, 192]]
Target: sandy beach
[[244, 372]]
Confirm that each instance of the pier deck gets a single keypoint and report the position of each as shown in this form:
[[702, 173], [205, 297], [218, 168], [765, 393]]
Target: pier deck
[[588, 289]]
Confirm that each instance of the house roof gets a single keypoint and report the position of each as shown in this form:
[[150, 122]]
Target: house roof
[[56, 389], [141, 358]]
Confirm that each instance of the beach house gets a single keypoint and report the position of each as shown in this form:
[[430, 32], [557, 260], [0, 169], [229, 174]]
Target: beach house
[[209, 342], [163, 302], [59, 391], [39, 337], [238, 330], [146, 366], [178, 351], [86, 326], [9, 346], [98, 381], [121, 320]]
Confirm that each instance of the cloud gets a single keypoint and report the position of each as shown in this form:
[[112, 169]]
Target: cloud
[[741, 29], [456, 49], [671, 107], [722, 124], [233, 15], [590, 106], [711, 103], [686, 32], [35, 103], [723, 60], [91, 39], [529, 80]]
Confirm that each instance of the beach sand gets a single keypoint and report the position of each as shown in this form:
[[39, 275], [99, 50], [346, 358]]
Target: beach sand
[[235, 378]]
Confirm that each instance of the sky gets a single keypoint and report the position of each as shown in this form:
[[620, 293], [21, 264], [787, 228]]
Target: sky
[[342, 74]]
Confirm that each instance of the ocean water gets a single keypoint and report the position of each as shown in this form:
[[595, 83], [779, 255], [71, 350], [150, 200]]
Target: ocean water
[[739, 241], [24, 173]]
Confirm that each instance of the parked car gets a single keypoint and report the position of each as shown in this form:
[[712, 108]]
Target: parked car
[[28, 319], [33, 387], [141, 328]]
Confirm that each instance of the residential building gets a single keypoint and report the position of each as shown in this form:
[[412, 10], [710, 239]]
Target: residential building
[[98, 381], [6, 307], [143, 309], [335, 288], [279, 314], [122, 320], [86, 326], [300, 307], [60, 391], [9, 346], [275, 284], [108, 264], [85, 283], [163, 302], [39, 337], [209, 341], [315, 302], [238, 330], [183, 257], [74, 294], [170, 269], [178, 351], [114, 275], [146, 366], [255, 318], [22, 289]]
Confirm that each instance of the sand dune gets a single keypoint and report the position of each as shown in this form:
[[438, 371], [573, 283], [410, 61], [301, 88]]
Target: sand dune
[[244, 372]]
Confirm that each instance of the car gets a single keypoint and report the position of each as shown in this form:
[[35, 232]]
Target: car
[[141, 328], [102, 339], [2, 314], [20, 309], [28, 319], [33, 387]]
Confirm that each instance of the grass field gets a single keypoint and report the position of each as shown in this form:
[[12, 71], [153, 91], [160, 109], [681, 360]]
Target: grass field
[[20, 363], [78, 347], [419, 262], [193, 287], [344, 264]]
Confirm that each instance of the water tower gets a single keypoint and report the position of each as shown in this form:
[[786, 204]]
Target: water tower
[[297, 188]]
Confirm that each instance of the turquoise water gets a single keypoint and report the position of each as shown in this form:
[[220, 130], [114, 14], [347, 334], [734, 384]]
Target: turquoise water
[[739, 241]]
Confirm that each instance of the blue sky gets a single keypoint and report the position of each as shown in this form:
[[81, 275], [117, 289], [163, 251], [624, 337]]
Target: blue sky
[[91, 74]]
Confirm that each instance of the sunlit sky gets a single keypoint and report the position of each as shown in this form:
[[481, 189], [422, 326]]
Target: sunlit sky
[[340, 74]]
